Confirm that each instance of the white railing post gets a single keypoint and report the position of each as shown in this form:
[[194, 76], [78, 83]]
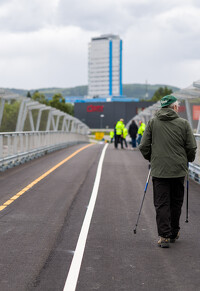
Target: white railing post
[[1, 146]]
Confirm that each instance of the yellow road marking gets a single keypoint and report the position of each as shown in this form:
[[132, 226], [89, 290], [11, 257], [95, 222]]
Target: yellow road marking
[[25, 189], [2, 207], [8, 202], [15, 197]]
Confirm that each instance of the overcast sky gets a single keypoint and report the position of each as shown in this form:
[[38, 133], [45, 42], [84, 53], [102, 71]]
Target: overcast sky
[[44, 43]]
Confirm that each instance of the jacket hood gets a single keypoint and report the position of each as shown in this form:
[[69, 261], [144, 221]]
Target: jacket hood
[[166, 114]]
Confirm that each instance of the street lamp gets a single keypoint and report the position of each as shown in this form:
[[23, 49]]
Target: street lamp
[[101, 120]]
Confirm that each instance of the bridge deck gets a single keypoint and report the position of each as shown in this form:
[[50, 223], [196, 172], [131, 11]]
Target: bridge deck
[[40, 228]]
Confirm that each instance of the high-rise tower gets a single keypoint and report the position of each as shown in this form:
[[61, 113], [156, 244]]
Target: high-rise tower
[[105, 66]]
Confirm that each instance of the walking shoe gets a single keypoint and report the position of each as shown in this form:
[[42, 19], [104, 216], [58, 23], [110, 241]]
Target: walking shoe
[[173, 238], [164, 242]]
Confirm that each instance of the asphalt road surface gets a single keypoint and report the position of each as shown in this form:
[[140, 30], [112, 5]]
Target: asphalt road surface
[[92, 197]]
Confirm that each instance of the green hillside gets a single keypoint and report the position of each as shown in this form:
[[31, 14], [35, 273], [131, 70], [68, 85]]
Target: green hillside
[[140, 90], [129, 90]]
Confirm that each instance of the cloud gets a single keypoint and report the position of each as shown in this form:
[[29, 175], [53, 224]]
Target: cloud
[[23, 15], [45, 58], [45, 43], [167, 50], [117, 15]]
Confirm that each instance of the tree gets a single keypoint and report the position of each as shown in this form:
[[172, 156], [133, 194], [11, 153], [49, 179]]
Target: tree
[[28, 94], [58, 101], [10, 115], [37, 96], [161, 92]]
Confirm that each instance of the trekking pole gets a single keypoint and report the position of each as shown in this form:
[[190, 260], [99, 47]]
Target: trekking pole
[[145, 190], [187, 198]]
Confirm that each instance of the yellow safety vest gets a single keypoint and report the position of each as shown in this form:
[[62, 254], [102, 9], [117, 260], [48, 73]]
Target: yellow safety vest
[[141, 129], [125, 132], [111, 134], [119, 128]]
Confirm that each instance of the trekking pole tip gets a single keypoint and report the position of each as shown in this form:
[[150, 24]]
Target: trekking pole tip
[[134, 231]]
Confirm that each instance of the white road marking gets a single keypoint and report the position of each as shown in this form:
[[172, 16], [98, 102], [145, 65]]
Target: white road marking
[[72, 278]]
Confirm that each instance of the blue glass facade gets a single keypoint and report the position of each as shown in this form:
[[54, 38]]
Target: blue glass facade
[[110, 68], [120, 70]]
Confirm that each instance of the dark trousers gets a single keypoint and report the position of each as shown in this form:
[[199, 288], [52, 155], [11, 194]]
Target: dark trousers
[[118, 139], [133, 140], [168, 201], [125, 142], [139, 139]]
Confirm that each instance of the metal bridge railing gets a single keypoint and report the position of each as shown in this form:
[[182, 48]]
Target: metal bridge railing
[[194, 168], [19, 147], [37, 129]]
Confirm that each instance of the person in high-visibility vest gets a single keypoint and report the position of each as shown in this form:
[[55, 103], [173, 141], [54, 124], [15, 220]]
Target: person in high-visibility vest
[[125, 133], [119, 132], [140, 132], [111, 136]]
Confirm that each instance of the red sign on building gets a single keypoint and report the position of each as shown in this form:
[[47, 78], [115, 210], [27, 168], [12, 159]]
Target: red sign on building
[[93, 108], [196, 112]]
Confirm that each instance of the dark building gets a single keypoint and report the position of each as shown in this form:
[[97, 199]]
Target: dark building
[[105, 114]]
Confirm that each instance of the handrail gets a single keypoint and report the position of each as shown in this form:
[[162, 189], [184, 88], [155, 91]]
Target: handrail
[[194, 167], [19, 147]]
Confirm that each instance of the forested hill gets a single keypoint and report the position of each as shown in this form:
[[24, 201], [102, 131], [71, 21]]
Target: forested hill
[[140, 90], [129, 90]]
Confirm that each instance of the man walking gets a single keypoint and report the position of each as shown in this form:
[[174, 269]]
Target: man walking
[[111, 136], [133, 129], [124, 135], [140, 132], [169, 144], [119, 133]]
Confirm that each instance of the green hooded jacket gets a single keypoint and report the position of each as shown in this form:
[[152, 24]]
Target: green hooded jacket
[[169, 144]]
